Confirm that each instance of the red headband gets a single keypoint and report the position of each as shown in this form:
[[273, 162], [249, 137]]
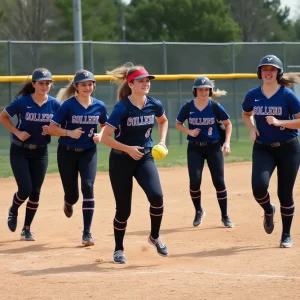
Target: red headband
[[136, 74]]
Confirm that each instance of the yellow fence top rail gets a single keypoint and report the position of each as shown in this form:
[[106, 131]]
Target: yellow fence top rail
[[157, 77]]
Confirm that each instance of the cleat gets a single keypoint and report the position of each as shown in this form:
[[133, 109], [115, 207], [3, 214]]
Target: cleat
[[12, 221], [198, 218], [159, 245], [87, 239], [119, 257], [227, 222], [269, 221], [68, 210], [26, 235], [286, 241]]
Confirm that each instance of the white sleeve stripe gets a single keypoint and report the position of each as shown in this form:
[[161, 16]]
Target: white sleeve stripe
[[55, 122], [7, 113], [179, 121], [110, 125]]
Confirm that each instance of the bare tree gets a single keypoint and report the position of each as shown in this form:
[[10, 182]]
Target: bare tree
[[29, 20]]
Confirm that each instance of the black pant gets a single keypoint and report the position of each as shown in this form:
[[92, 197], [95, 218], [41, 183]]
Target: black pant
[[196, 155], [264, 160], [122, 169], [29, 167], [70, 163]]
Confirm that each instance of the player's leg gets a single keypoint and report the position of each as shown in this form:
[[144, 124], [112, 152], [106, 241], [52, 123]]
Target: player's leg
[[38, 163], [215, 162], [263, 165], [288, 161], [147, 177], [121, 172], [20, 167], [68, 169], [87, 170], [195, 162]]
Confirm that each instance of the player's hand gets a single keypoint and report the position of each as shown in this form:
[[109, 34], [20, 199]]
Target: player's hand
[[272, 121], [164, 145], [97, 138], [226, 149], [134, 152], [76, 133], [254, 133], [45, 130], [23, 135], [195, 132]]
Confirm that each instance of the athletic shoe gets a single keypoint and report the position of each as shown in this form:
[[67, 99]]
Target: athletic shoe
[[119, 257], [286, 241], [159, 245], [87, 239], [227, 222], [68, 210], [269, 221], [26, 235], [12, 221], [198, 218]]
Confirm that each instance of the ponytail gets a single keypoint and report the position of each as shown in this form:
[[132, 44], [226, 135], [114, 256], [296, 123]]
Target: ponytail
[[67, 92], [119, 76], [218, 93], [26, 89], [288, 79]]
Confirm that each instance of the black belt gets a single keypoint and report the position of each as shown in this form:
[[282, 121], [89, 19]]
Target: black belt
[[145, 151], [27, 146], [204, 144], [277, 144]]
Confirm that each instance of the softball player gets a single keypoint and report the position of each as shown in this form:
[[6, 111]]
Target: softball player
[[28, 151], [76, 123], [204, 144], [132, 120], [274, 146]]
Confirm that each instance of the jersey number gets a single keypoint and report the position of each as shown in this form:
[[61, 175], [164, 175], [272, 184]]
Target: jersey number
[[91, 132], [210, 129], [148, 132]]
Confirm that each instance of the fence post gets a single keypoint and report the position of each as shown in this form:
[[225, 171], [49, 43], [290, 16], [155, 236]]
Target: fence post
[[165, 70], [284, 55], [9, 69], [179, 93], [91, 57], [236, 122]]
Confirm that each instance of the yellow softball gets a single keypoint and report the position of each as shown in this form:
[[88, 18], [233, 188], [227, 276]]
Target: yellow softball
[[159, 152]]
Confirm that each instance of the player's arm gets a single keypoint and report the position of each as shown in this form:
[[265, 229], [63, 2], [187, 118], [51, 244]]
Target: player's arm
[[163, 124], [291, 124], [5, 119], [249, 122]]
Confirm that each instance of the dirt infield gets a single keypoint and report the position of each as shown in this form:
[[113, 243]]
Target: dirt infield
[[208, 262]]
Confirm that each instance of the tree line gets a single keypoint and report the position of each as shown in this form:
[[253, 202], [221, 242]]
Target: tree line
[[150, 20]]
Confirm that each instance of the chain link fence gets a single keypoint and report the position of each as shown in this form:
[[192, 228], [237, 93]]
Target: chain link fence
[[21, 57]]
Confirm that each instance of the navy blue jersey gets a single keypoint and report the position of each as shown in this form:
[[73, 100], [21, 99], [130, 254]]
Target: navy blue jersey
[[205, 120], [72, 115], [282, 105], [133, 125], [32, 117]]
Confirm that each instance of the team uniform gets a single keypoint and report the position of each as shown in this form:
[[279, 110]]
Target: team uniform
[[133, 127], [29, 159], [79, 155], [274, 147], [205, 146]]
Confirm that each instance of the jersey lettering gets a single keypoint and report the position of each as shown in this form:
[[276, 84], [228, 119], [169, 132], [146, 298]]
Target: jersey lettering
[[85, 119], [267, 110], [140, 121], [202, 121], [38, 117]]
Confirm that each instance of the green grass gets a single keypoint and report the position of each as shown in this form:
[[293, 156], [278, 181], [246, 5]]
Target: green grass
[[240, 151]]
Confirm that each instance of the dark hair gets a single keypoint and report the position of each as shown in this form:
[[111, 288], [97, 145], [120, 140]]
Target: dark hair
[[26, 89]]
